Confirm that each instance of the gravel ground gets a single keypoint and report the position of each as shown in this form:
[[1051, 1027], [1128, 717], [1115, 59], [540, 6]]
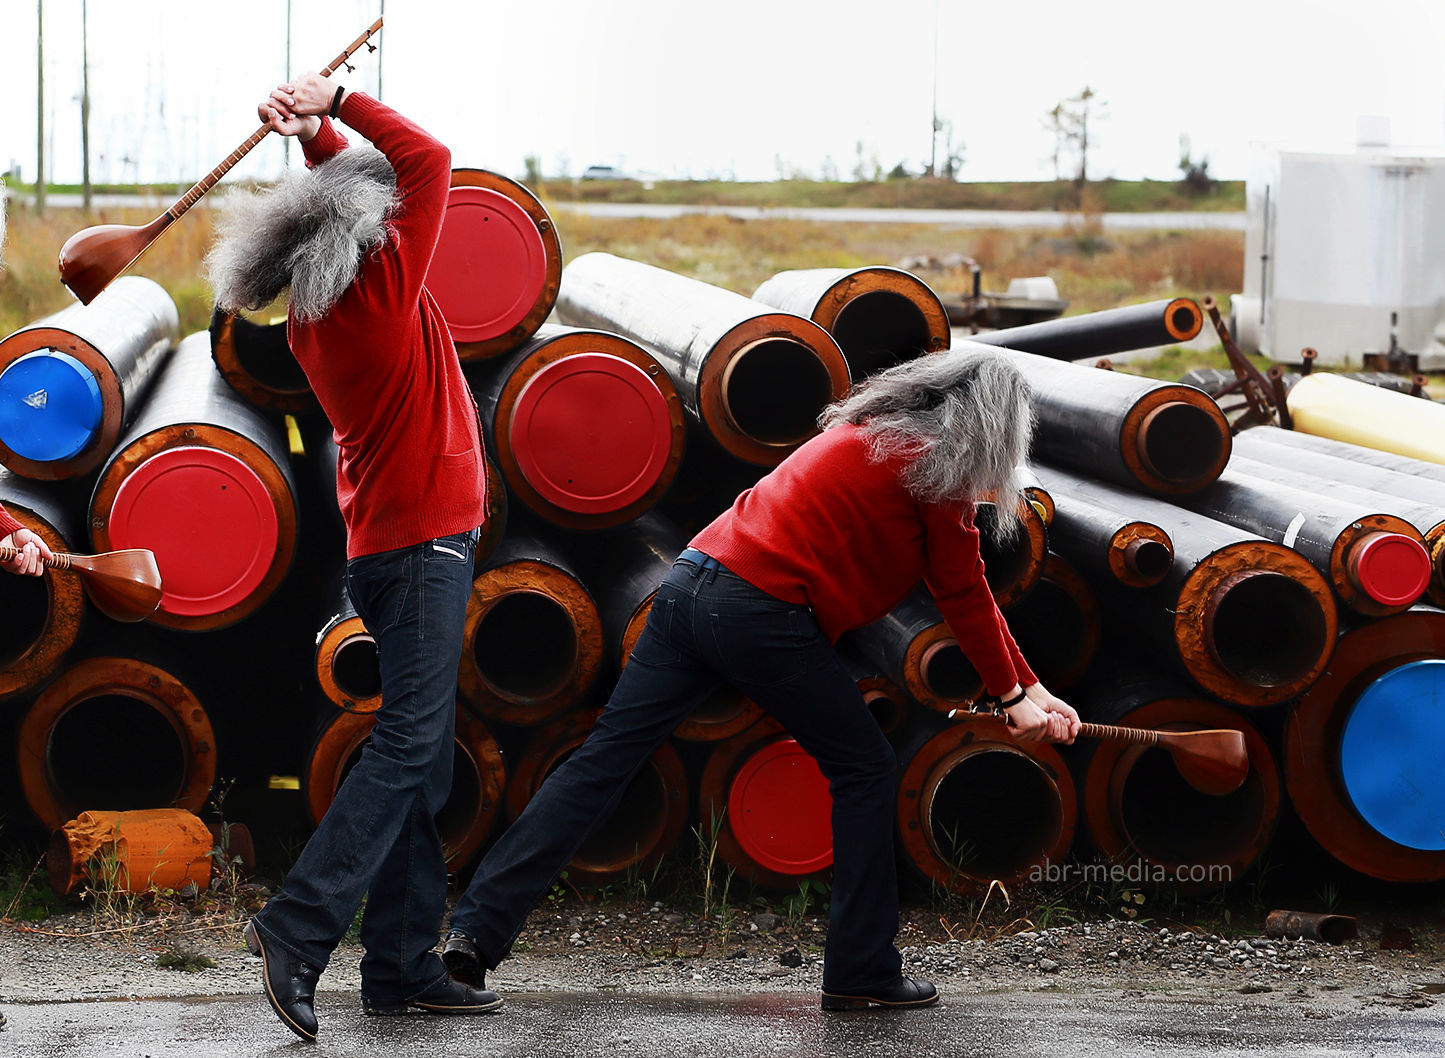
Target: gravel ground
[[640, 947]]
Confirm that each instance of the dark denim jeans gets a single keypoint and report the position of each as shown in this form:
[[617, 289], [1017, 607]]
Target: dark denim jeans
[[708, 626], [380, 835]]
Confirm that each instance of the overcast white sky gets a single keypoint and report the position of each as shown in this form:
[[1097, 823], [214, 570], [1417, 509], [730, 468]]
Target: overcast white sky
[[737, 88]]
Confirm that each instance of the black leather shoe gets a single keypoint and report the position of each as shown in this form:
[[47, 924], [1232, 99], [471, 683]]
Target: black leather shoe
[[444, 997], [462, 959], [905, 992], [290, 985]]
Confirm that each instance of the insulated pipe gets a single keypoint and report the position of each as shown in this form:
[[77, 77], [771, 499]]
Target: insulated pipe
[[532, 643], [646, 822], [1362, 749], [1139, 809], [131, 852], [1013, 567], [878, 316], [41, 616], [116, 732], [757, 379], [1376, 562], [1249, 619], [1420, 501], [346, 664], [1056, 625], [622, 569], [913, 647], [586, 427], [479, 777], [976, 806], [1106, 543], [764, 802], [497, 264], [1251, 443], [256, 360], [1105, 333], [1347, 410], [1162, 437], [887, 701], [71, 383], [204, 480]]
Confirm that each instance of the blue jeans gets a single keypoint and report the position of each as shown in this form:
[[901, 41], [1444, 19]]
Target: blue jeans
[[708, 626], [379, 836]]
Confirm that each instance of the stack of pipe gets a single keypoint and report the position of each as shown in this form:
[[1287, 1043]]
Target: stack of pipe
[[1147, 531]]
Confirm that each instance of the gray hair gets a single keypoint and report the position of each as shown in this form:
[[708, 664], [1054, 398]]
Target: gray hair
[[309, 233], [962, 420]]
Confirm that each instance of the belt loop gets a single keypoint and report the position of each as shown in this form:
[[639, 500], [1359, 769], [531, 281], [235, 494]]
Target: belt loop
[[712, 567]]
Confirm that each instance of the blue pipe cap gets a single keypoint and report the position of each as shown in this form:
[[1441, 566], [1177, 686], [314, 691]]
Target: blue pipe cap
[[50, 406], [1392, 752]]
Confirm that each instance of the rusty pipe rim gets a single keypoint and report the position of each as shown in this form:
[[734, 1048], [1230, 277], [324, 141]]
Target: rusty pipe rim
[[494, 528], [49, 758], [532, 643], [347, 667], [937, 672], [886, 702], [1175, 440], [1254, 623], [653, 480], [41, 618], [1312, 739], [1379, 565], [971, 792], [1140, 555], [647, 821], [1183, 319], [270, 479], [764, 383], [888, 309], [525, 205], [107, 432], [1012, 568], [255, 358], [1139, 809]]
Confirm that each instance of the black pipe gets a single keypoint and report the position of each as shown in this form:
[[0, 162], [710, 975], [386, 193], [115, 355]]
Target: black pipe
[[1095, 334]]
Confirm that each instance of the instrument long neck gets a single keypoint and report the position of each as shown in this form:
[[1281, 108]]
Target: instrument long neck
[[1120, 734]]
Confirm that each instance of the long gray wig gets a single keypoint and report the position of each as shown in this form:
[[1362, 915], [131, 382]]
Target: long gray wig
[[309, 232], [963, 420]]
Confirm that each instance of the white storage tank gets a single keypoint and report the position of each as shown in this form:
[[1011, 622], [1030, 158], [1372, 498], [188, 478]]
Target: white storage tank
[[1337, 243]]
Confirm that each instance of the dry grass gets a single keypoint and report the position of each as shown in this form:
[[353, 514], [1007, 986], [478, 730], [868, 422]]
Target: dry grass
[[1091, 270]]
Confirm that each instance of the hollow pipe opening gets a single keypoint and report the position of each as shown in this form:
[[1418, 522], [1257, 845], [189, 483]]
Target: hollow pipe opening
[[947, 672], [458, 815], [886, 711], [1265, 629], [1184, 320], [721, 705], [993, 814], [356, 669], [878, 329], [1149, 559], [1005, 562], [774, 390], [263, 352], [634, 829], [526, 645], [23, 617], [1052, 629], [115, 752], [1180, 442], [1168, 821]]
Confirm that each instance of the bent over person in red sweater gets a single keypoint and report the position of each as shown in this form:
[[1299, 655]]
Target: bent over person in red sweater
[[834, 538], [351, 241]]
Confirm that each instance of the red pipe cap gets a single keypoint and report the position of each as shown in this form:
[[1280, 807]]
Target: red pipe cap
[[781, 812], [489, 267], [591, 433], [1392, 569], [210, 521]]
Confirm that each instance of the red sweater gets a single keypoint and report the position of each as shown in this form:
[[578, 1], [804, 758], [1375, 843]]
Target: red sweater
[[383, 365], [831, 529], [8, 524]]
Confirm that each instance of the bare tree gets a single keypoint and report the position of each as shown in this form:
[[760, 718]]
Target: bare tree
[[1069, 124]]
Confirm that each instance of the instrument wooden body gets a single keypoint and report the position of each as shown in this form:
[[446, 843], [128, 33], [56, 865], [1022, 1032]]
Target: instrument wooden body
[[92, 258], [124, 585]]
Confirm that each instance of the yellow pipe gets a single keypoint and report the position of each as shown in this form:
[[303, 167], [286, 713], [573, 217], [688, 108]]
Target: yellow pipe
[[1346, 410]]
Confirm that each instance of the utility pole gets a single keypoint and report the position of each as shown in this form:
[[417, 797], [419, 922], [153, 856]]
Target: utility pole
[[85, 104], [39, 106], [286, 140], [933, 135]]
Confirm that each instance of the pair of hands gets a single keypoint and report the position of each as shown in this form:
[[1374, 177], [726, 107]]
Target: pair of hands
[[295, 108], [33, 553], [1042, 717]]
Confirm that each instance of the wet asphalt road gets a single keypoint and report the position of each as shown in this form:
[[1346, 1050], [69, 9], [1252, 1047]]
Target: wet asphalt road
[[542, 1025]]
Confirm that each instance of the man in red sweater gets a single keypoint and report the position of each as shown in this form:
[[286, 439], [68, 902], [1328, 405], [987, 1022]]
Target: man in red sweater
[[350, 241], [835, 537], [33, 550]]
